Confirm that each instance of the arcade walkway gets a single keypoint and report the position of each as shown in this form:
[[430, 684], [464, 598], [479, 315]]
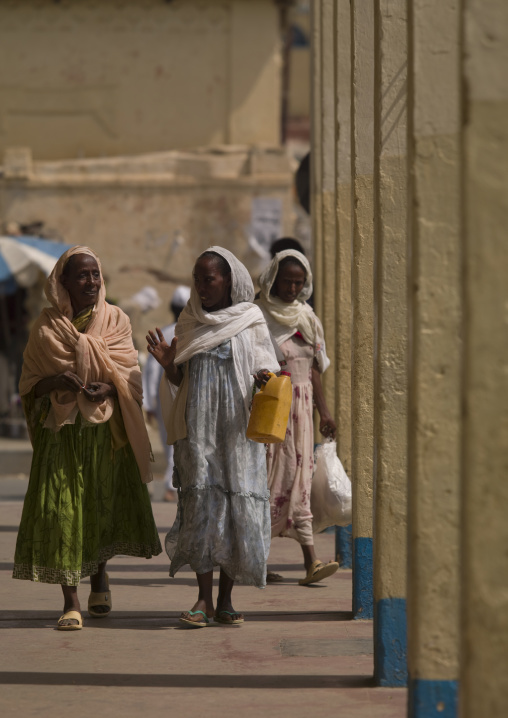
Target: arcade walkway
[[298, 654]]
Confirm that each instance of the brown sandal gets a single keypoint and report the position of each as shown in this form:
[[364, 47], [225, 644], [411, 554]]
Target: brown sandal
[[274, 577], [318, 571]]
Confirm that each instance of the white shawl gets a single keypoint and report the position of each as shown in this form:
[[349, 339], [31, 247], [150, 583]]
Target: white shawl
[[198, 331], [285, 319]]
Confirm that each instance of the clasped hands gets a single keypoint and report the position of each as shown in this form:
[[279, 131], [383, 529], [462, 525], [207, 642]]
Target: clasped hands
[[95, 391]]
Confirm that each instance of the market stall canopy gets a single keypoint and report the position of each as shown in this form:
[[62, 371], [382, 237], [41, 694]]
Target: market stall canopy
[[23, 258]]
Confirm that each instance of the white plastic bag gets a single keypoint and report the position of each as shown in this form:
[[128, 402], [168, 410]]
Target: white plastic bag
[[330, 498]]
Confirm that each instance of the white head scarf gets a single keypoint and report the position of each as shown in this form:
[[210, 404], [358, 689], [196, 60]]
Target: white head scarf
[[198, 331], [284, 319]]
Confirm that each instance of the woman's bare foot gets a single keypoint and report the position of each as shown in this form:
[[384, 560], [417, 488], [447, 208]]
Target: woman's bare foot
[[99, 584], [309, 556], [204, 602], [226, 614]]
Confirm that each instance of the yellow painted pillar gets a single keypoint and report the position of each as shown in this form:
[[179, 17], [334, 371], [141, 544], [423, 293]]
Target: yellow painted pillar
[[342, 29], [390, 382], [484, 662], [435, 357], [343, 230], [316, 162], [327, 240], [362, 291]]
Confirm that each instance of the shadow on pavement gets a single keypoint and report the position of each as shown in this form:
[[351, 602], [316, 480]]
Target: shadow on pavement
[[184, 681], [143, 620]]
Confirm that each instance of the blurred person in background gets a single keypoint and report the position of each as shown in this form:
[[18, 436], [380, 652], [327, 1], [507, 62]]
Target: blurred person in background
[[87, 498], [280, 245], [152, 374]]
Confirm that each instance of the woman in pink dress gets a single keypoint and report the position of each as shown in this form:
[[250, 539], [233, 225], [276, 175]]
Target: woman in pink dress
[[285, 286]]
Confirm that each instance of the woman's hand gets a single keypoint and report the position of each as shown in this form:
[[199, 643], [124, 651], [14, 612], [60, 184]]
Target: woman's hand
[[160, 349], [165, 354], [261, 377], [98, 391], [67, 381], [327, 426]]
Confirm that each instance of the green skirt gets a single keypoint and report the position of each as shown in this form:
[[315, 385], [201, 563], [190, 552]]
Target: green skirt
[[85, 503]]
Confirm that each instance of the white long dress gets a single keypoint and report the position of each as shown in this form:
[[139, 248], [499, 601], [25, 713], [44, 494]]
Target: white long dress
[[223, 514]]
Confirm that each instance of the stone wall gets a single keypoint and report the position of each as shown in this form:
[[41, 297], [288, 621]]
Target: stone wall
[[114, 77], [149, 216]]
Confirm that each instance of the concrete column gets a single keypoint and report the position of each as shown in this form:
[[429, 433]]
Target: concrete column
[[362, 291], [484, 662], [327, 240], [316, 159], [342, 29], [390, 390], [435, 358]]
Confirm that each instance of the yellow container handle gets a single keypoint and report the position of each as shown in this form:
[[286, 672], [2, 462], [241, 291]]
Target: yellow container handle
[[271, 375]]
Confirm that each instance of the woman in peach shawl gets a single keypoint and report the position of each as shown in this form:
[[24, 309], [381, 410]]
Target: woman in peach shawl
[[81, 391]]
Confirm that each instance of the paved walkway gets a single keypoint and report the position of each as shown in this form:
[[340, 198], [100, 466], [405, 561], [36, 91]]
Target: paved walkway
[[298, 653]]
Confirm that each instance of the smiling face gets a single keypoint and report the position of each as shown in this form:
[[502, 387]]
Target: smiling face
[[213, 287], [82, 279], [289, 282]]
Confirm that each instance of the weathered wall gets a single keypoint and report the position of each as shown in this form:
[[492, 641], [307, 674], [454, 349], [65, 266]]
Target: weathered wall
[[86, 79], [149, 216]]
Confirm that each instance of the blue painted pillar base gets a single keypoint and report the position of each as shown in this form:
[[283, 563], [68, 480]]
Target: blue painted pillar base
[[363, 593], [344, 545], [390, 642], [432, 699]]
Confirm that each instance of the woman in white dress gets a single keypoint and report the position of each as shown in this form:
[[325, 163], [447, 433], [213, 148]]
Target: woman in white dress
[[221, 344]]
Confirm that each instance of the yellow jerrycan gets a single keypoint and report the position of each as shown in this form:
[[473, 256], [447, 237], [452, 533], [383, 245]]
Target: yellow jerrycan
[[270, 410]]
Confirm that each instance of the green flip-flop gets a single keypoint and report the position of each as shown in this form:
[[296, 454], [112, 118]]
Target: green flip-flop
[[195, 624], [228, 619]]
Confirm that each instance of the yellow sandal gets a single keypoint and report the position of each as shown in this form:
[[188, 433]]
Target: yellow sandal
[[70, 616]]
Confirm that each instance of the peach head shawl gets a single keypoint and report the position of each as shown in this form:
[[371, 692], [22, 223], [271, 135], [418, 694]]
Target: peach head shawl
[[103, 352]]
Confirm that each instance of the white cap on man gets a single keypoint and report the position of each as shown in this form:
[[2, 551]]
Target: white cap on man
[[181, 296]]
